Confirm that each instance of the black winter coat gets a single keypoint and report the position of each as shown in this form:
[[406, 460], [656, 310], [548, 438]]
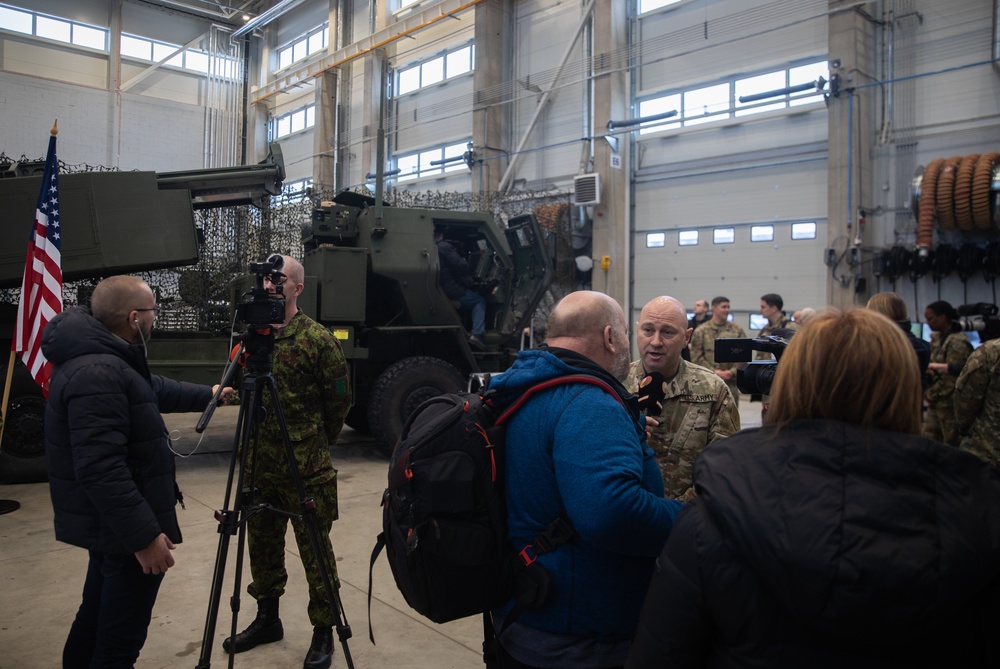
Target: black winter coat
[[111, 472], [454, 271], [828, 545]]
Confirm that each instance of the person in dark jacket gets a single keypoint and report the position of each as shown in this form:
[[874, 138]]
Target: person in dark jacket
[[111, 471], [577, 452], [456, 282], [834, 536]]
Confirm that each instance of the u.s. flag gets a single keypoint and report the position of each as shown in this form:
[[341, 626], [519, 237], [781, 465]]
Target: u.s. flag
[[41, 289]]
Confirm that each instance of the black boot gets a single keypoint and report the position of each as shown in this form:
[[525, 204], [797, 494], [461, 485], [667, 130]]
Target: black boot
[[265, 628], [320, 654]]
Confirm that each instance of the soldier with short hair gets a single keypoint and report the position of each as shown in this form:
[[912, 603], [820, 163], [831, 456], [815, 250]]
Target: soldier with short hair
[[703, 344], [697, 407], [977, 403], [310, 371]]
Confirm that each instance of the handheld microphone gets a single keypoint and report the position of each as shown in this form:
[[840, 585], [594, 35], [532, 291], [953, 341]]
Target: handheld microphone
[[652, 392]]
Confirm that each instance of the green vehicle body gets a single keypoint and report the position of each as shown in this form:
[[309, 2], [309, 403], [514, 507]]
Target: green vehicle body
[[371, 277]]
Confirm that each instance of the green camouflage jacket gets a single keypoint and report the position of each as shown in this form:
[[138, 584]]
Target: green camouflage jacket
[[697, 410], [703, 347], [953, 349], [315, 394], [977, 403]]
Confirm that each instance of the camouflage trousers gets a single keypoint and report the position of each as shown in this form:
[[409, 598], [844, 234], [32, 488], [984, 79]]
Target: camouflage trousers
[[939, 423], [266, 542]]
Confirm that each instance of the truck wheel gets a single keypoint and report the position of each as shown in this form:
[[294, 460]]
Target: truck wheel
[[402, 388], [357, 419], [22, 459]]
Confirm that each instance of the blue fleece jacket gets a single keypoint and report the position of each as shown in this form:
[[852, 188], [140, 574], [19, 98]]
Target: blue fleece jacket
[[575, 452]]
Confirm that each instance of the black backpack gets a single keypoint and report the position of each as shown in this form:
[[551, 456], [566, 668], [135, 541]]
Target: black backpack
[[444, 521]]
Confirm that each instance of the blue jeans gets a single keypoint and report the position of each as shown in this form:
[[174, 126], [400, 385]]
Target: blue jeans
[[110, 627], [477, 303]]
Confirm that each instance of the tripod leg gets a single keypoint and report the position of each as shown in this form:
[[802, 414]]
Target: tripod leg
[[231, 521], [308, 513]]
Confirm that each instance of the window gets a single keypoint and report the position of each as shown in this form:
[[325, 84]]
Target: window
[[803, 231], [303, 46], [294, 121], [807, 74], [761, 233], [435, 70], [687, 238], [704, 105], [707, 104], [762, 83], [93, 38], [197, 61], [650, 5], [141, 48], [134, 47], [15, 21], [432, 161], [724, 235], [656, 240], [660, 106], [53, 28]]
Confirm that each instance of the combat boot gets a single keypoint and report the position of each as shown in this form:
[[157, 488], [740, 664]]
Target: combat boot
[[320, 654], [265, 628]]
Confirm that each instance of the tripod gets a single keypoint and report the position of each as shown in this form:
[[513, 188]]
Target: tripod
[[256, 347]]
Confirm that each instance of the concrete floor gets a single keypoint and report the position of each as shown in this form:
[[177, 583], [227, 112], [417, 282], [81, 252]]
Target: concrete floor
[[41, 579]]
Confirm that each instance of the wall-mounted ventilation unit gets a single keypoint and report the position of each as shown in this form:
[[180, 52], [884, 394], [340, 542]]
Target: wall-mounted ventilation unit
[[587, 189]]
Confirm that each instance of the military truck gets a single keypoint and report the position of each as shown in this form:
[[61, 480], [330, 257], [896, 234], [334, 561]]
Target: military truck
[[112, 223], [372, 278]]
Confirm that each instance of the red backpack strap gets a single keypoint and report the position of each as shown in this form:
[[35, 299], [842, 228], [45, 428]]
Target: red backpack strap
[[551, 383]]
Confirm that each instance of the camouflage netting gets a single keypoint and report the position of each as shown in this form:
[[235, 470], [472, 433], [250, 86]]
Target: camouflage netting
[[199, 297]]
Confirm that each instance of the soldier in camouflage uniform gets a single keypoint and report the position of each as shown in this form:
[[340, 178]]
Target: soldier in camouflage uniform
[[949, 346], [770, 308], [703, 344], [313, 388], [697, 407], [977, 403]]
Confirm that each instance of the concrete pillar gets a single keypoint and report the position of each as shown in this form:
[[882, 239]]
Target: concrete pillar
[[325, 132], [611, 101], [851, 119], [491, 118]]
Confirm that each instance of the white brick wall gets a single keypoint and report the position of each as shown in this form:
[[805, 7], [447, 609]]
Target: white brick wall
[[98, 127]]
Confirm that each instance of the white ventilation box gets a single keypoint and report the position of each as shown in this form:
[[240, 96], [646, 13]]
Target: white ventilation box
[[587, 189]]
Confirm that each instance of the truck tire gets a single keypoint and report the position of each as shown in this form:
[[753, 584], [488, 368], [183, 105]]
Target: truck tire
[[22, 458], [402, 388]]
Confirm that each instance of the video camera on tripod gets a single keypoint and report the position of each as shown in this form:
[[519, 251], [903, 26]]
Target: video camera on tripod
[[757, 376], [258, 307], [982, 318]]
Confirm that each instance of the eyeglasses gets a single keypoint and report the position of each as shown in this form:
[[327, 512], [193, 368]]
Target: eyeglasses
[[155, 310]]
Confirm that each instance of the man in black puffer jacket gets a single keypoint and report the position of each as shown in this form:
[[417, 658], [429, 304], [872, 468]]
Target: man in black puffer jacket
[[111, 471]]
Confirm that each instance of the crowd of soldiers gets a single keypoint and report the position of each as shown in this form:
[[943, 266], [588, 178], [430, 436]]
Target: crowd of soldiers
[[698, 399]]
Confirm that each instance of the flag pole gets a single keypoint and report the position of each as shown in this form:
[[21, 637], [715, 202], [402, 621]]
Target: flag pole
[[7, 505]]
